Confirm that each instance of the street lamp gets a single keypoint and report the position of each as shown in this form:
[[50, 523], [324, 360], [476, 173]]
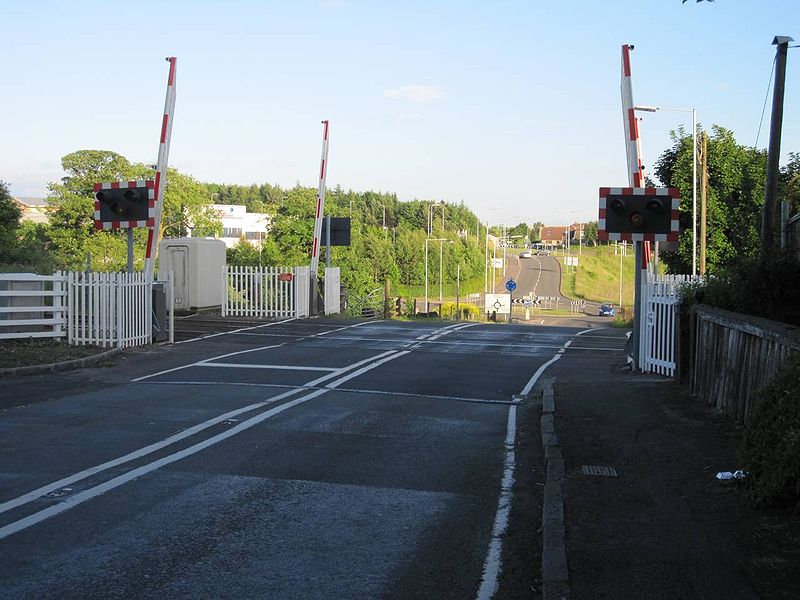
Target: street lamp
[[441, 245], [426, 266], [694, 172]]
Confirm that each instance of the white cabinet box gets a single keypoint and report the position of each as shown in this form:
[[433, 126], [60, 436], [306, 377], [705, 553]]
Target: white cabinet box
[[197, 265]]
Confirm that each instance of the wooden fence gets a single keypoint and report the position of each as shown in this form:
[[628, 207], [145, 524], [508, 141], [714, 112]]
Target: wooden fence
[[733, 356]]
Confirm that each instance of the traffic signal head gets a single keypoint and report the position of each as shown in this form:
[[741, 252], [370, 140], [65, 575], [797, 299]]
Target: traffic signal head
[[123, 204], [638, 213]]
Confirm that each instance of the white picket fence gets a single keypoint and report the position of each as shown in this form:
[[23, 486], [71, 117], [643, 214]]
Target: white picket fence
[[102, 309], [281, 292], [32, 306], [332, 291], [658, 329], [109, 309]]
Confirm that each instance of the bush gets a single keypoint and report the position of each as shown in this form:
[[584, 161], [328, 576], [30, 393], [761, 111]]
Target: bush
[[771, 444], [768, 288], [468, 312]]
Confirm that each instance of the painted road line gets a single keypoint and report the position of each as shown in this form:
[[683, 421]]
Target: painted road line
[[102, 488], [493, 563], [46, 489], [205, 360], [529, 386], [256, 366], [205, 337]]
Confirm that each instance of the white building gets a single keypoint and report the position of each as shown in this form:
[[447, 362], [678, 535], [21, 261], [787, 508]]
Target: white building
[[238, 223]]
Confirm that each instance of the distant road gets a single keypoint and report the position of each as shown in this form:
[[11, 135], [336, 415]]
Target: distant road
[[540, 275]]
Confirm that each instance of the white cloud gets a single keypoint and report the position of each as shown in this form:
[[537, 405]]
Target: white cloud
[[419, 94]]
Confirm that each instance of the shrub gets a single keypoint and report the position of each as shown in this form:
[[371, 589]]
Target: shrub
[[771, 445], [468, 312]]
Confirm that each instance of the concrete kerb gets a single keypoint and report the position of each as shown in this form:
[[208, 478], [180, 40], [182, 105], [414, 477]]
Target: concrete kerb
[[555, 573], [66, 365]]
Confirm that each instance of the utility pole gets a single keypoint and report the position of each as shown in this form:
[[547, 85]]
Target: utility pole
[[776, 124], [703, 203]]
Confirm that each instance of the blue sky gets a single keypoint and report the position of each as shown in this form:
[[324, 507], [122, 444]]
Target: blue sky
[[512, 107]]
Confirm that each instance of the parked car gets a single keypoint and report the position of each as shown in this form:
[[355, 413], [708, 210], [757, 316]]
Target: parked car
[[606, 310], [543, 253], [525, 254]]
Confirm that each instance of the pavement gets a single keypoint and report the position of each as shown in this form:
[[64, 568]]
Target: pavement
[[644, 515]]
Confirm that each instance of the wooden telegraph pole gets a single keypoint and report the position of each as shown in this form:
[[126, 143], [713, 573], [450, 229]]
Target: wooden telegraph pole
[[771, 187]]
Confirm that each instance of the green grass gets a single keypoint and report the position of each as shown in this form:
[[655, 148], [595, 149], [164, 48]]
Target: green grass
[[597, 276]]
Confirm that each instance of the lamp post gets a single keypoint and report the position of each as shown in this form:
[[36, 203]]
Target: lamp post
[[441, 262], [426, 266], [694, 172]]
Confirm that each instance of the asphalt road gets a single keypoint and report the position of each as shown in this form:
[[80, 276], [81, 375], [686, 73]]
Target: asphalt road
[[305, 459]]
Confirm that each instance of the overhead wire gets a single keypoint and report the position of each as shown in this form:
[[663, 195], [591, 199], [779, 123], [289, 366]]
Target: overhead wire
[[766, 97]]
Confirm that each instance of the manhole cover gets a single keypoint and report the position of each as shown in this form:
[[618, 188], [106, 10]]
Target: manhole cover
[[599, 470]]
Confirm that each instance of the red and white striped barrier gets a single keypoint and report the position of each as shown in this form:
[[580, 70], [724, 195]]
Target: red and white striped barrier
[[161, 170], [323, 172]]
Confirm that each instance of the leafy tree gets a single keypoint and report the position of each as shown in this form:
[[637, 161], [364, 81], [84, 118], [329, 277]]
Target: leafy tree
[[72, 231], [243, 254], [590, 232], [10, 214], [735, 196]]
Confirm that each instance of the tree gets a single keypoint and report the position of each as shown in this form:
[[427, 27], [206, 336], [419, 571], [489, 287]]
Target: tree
[[10, 214], [735, 196], [590, 232], [72, 231]]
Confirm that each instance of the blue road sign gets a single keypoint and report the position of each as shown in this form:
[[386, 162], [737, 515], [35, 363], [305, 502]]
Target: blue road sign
[[511, 285]]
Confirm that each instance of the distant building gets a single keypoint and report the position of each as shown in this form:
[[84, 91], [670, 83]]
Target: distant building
[[558, 236], [33, 209], [554, 236], [237, 223]]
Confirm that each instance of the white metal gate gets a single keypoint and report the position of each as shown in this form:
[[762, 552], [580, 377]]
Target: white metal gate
[[332, 291], [658, 331], [109, 309], [265, 291]]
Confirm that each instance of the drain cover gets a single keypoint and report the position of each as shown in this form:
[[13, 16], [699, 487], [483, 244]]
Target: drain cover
[[599, 470]]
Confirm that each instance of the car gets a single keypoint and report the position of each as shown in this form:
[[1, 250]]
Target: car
[[543, 253], [525, 254], [606, 310]]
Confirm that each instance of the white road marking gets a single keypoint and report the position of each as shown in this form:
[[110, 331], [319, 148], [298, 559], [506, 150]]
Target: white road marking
[[102, 488], [493, 563], [136, 454], [274, 367], [212, 335]]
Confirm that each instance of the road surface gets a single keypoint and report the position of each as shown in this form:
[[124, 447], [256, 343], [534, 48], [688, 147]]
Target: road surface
[[303, 459]]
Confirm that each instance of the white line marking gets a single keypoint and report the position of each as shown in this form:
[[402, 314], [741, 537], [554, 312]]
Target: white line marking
[[102, 488], [532, 381], [363, 370], [341, 389], [200, 362], [205, 337], [46, 489], [275, 367], [493, 563]]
